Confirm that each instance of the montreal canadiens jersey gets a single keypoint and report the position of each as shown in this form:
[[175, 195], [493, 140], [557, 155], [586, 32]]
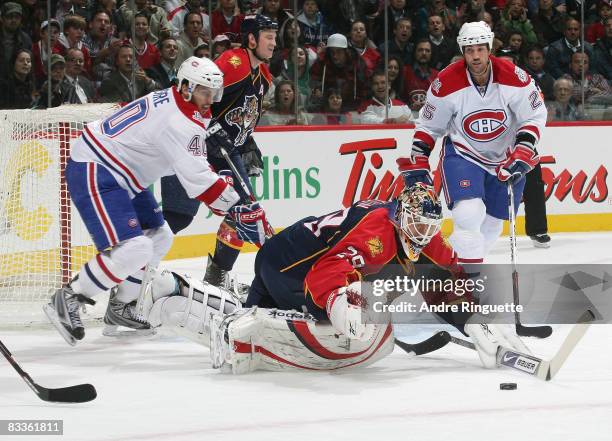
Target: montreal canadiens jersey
[[157, 135], [239, 110], [482, 126], [362, 240]]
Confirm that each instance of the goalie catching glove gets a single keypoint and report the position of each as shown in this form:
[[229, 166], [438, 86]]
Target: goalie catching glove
[[489, 337], [344, 307], [251, 223], [519, 161]]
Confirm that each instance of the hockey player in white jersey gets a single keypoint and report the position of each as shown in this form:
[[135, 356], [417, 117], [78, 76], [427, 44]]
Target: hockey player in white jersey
[[110, 167], [492, 115]]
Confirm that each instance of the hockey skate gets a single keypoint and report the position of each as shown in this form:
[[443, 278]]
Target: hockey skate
[[221, 278], [541, 240], [124, 315], [63, 313]]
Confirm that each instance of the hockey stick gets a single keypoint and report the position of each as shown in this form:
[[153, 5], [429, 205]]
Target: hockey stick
[[81, 393], [244, 185], [522, 330], [433, 343], [531, 365]]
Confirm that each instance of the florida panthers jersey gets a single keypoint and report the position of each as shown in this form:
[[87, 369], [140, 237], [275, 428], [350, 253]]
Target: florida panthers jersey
[[482, 123], [243, 90], [157, 135]]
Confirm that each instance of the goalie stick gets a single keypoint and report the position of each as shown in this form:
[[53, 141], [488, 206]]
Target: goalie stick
[[522, 330], [81, 393], [433, 343], [531, 365]]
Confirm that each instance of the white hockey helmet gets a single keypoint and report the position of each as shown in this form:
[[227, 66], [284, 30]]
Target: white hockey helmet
[[419, 213], [475, 32], [201, 71]]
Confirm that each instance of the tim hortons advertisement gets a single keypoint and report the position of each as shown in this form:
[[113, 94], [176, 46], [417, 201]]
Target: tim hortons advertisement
[[315, 171]]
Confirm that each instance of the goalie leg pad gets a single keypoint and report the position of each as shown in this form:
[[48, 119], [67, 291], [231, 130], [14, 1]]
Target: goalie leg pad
[[277, 340]]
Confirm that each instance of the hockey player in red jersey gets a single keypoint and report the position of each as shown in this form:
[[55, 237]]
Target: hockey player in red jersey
[[491, 114], [246, 80], [304, 308]]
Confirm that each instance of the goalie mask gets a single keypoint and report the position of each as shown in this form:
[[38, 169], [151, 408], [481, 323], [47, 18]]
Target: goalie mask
[[196, 71], [418, 214]]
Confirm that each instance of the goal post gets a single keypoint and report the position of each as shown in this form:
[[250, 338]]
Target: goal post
[[42, 238]]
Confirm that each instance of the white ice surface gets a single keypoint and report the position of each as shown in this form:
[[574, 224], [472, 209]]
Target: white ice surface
[[163, 388]]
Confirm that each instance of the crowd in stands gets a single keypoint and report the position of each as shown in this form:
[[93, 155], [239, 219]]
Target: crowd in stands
[[116, 50]]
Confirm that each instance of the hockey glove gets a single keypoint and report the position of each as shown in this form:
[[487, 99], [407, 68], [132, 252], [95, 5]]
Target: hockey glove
[[221, 196], [217, 138], [519, 161], [489, 337], [415, 169], [251, 223], [344, 311]]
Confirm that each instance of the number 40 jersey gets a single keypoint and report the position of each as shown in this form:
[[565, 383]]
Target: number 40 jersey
[[157, 135]]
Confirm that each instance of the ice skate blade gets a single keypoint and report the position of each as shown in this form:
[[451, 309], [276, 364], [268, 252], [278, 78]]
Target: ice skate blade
[[117, 332], [541, 245], [57, 324]]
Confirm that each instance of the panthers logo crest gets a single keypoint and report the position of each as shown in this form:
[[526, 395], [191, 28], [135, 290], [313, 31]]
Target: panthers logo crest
[[245, 118]]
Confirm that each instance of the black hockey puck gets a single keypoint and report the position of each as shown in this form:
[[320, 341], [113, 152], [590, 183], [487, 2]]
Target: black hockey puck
[[507, 386]]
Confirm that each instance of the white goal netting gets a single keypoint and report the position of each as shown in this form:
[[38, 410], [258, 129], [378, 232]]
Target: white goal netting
[[42, 239]]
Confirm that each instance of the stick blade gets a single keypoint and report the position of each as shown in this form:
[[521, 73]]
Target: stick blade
[[533, 331], [81, 393], [433, 343]]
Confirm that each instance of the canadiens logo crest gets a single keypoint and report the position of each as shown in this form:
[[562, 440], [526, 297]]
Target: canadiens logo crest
[[245, 118], [375, 246], [235, 61], [485, 125]]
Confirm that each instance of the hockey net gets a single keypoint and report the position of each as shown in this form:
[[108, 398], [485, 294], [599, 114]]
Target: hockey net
[[42, 238]]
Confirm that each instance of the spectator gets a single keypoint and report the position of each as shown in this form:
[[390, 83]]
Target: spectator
[[220, 44], [514, 45], [164, 72], [603, 52], [339, 67], [535, 68], [400, 43], [442, 48], [419, 76], [300, 58], [34, 13], [597, 30], [17, 88], [72, 37], [288, 34], [177, 18], [395, 70], [76, 87], [40, 49], [548, 23], [118, 87], [313, 26], [101, 45], [514, 19], [439, 8], [374, 110], [560, 51], [159, 27], [226, 19], [58, 72], [332, 112], [472, 10], [563, 108], [365, 48], [272, 9], [594, 86], [13, 37], [283, 112], [147, 53], [339, 14], [190, 38], [397, 9], [202, 51]]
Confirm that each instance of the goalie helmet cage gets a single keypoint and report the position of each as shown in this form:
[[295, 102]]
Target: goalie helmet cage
[[43, 241]]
